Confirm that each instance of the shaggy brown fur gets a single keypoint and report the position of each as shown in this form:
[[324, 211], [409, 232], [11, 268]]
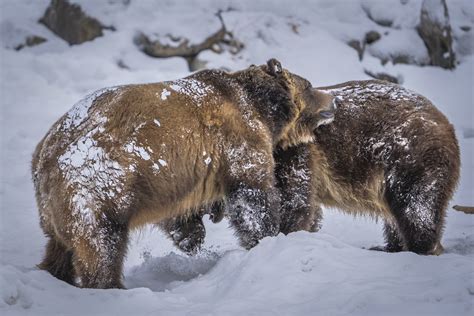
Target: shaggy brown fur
[[389, 153], [138, 154], [188, 232]]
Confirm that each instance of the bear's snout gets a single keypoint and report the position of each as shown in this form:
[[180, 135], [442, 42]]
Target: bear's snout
[[327, 105], [328, 112]]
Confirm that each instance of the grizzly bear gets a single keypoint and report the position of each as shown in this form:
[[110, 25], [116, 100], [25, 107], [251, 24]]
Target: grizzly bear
[[137, 154], [188, 231], [389, 154]]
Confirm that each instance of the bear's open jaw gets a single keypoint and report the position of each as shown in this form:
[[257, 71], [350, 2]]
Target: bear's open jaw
[[325, 121]]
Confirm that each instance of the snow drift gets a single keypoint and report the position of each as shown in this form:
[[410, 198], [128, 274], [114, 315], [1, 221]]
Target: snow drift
[[324, 273]]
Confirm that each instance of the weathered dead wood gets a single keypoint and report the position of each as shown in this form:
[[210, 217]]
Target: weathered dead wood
[[464, 209], [183, 48], [71, 23], [382, 76]]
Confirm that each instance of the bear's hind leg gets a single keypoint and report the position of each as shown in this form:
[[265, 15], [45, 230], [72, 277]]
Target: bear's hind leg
[[98, 256], [58, 261], [394, 242], [216, 212], [418, 205]]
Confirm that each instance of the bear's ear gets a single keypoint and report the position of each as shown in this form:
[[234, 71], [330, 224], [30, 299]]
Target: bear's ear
[[274, 67]]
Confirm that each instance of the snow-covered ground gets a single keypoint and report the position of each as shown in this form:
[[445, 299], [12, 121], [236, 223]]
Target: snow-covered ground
[[329, 272]]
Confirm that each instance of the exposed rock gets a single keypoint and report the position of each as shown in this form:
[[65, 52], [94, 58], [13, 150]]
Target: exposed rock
[[435, 30], [372, 37], [30, 41], [69, 22]]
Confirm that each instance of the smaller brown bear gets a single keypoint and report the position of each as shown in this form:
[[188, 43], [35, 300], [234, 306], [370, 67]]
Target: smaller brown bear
[[388, 154], [137, 154]]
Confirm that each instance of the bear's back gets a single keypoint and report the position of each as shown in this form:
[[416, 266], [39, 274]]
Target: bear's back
[[377, 124]]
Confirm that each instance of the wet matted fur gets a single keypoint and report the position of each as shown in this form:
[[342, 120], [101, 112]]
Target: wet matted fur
[[388, 154], [137, 154]]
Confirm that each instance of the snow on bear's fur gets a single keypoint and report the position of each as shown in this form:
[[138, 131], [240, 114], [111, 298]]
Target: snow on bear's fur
[[137, 154]]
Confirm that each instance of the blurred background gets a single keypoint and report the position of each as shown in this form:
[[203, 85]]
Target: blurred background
[[54, 52]]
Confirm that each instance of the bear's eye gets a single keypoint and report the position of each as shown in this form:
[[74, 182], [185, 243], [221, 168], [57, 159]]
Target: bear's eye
[[307, 85], [306, 88]]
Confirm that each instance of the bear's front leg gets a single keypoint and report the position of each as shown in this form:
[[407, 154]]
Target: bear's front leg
[[300, 210], [254, 213], [187, 232], [217, 212]]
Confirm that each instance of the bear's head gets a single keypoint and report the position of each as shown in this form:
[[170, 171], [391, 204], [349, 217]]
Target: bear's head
[[286, 102]]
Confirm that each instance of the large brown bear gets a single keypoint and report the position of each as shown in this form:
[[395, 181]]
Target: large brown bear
[[388, 154], [138, 154]]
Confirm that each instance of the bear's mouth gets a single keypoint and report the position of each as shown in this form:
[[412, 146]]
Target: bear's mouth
[[326, 121], [327, 115]]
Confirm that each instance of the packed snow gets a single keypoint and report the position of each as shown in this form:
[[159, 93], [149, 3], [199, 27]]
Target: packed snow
[[330, 272], [139, 151], [193, 88], [79, 111]]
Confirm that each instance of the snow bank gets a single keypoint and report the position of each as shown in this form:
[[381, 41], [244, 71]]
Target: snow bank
[[301, 274]]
